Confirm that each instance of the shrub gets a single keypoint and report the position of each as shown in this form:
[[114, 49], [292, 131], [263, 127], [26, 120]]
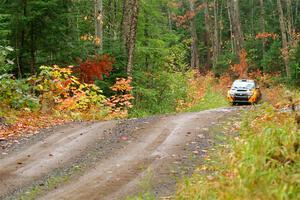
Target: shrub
[[16, 93], [59, 89], [94, 68], [272, 60], [6, 65], [121, 101], [159, 92]]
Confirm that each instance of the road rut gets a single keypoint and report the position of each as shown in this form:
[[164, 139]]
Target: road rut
[[130, 151]]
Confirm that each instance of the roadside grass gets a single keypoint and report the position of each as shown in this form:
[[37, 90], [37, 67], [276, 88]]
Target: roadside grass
[[262, 162], [212, 99]]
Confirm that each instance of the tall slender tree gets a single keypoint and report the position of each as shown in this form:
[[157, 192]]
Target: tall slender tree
[[99, 25], [237, 33], [262, 23], [284, 37], [195, 63], [216, 39], [129, 26]]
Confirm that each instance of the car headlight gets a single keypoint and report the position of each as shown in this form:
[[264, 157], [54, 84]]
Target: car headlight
[[250, 93], [231, 92]]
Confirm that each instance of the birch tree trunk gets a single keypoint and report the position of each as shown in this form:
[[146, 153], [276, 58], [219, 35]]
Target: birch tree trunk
[[98, 25]]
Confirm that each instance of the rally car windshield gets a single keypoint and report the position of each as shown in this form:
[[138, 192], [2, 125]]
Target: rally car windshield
[[243, 85]]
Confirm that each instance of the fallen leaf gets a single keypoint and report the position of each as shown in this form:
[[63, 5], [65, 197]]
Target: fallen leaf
[[124, 138]]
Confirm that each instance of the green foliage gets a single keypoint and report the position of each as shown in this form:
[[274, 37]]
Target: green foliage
[[223, 63], [254, 54], [158, 93], [176, 60], [295, 66], [4, 28], [212, 99], [58, 88], [16, 93], [53, 89], [273, 61], [6, 65]]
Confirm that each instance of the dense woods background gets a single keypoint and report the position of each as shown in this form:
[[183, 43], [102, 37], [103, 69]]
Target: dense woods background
[[155, 41], [73, 60]]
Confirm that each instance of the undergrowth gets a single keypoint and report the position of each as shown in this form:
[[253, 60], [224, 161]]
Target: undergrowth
[[212, 99], [54, 96], [263, 162], [179, 92]]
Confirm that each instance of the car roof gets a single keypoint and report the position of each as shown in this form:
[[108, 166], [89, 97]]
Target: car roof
[[244, 80]]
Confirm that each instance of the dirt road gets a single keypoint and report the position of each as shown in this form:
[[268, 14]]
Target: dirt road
[[109, 160]]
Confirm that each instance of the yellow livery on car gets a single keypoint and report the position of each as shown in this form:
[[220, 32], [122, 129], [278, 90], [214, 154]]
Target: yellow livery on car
[[244, 91]]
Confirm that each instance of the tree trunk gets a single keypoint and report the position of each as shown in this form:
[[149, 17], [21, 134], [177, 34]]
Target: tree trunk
[[262, 23], [32, 49], [134, 10], [237, 24], [252, 17], [221, 25], [216, 42], [126, 24], [169, 19], [209, 35], [233, 48], [284, 38], [22, 42], [194, 45], [296, 11], [290, 26], [17, 49], [98, 25], [238, 37]]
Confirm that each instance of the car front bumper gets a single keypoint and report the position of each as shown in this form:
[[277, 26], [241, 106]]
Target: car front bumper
[[242, 99]]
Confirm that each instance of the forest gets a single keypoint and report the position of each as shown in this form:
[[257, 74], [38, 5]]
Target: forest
[[142, 36], [86, 60], [152, 41]]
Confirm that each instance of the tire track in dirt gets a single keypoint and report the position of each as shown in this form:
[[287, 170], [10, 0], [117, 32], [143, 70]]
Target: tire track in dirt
[[34, 162], [153, 145]]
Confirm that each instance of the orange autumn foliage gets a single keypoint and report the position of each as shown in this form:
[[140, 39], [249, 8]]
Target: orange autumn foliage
[[29, 123], [94, 68], [181, 20], [121, 101], [241, 68], [266, 35]]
